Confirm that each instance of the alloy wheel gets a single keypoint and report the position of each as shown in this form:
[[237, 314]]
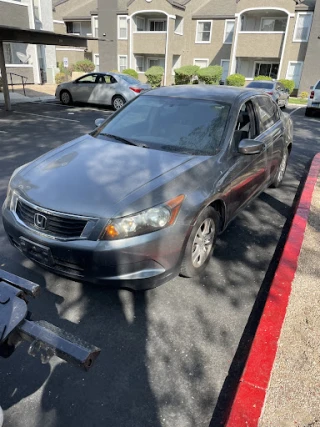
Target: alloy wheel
[[203, 242]]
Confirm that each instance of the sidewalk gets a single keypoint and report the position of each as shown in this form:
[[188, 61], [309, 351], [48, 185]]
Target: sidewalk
[[34, 93], [280, 385]]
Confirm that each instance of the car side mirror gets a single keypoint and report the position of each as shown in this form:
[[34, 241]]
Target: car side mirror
[[98, 122], [251, 146]]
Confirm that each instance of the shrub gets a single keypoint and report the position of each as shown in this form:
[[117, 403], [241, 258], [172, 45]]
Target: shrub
[[235, 80], [263, 78], [131, 72], [288, 84], [154, 76], [304, 95], [185, 74], [85, 66], [67, 71], [60, 78], [210, 75]]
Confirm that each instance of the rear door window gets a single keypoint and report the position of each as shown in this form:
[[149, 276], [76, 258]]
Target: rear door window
[[267, 111]]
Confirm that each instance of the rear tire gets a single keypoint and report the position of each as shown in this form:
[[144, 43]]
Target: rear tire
[[277, 181], [65, 97], [308, 112], [118, 102], [200, 243]]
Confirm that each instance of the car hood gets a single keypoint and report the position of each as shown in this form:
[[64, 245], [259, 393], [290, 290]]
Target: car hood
[[91, 176]]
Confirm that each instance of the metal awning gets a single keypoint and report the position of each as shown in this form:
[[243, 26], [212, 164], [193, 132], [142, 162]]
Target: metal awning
[[18, 35]]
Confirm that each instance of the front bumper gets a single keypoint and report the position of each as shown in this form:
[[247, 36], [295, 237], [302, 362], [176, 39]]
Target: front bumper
[[140, 262]]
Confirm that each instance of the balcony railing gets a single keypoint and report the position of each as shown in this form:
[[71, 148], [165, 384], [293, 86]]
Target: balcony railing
[[151, 43], [260, 44]]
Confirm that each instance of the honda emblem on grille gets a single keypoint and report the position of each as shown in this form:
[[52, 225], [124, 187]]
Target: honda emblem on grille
[[40, 221]]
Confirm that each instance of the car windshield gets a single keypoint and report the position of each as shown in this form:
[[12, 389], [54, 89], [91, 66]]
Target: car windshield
[[261, 85], [130, 80], [193, 126]]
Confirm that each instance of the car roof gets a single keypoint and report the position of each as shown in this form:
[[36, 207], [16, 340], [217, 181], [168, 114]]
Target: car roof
[[224, 94]]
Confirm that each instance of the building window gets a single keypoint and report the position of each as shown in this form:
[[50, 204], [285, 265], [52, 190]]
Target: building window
[[95, 30], [122, 27], [228, 31], [73, 27], [7, 53], [176, 63], [157, 25], [122, 63], [203, 31], [140, 23], [202, 63], [140, 64], [302, 28], [156, 62], [178, 25], [225, 63], [266, 69], [273, 24], [294, 72]]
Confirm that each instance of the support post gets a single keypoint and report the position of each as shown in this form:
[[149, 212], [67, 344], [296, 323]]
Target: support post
[[5, 88]]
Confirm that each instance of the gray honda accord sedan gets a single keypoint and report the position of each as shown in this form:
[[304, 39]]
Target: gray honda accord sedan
[[143, 197]]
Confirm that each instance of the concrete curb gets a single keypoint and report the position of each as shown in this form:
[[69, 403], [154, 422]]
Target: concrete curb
[[251, 392]]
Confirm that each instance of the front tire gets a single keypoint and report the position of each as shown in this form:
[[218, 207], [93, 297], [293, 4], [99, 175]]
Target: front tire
[[65, 97], [200, 243], [118, 102], [277, 181]]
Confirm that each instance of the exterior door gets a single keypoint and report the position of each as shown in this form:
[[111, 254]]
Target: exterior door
[[225, 66], [294, 72], [248, 172]]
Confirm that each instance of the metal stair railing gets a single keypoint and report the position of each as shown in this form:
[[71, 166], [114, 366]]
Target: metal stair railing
[[23, 81]]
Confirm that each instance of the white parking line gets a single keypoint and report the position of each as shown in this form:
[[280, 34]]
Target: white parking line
[[3, 131], [56, 119], [299, 108]]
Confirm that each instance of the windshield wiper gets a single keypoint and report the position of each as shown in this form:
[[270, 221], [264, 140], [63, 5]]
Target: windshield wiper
[[123, 140]]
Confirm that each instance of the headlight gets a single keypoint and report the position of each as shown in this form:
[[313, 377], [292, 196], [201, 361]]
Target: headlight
[[144, 222], [10, 193]]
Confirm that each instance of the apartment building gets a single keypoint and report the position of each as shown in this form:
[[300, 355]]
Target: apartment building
[[277, 38], [35, 62], [76, 17]]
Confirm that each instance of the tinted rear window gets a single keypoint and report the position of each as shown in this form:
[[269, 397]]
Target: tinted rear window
[[318, 86], [193, 126], [261, 85]]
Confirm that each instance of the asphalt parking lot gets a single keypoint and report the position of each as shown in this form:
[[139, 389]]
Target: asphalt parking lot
[[166, 353]]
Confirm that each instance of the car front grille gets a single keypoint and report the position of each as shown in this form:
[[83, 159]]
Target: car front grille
[[53, 224]]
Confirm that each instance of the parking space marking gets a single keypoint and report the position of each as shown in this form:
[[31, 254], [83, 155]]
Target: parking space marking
[[299, 108], [56, 119], [3, 131]]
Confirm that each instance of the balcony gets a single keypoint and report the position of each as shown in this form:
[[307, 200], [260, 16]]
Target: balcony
[[149, 43], [262, 44]]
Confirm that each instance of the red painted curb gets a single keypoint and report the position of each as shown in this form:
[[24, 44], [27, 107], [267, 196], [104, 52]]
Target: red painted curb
[[250, 396]]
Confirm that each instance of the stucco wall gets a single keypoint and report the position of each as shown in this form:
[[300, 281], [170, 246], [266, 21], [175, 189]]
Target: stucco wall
[[15, 15]]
